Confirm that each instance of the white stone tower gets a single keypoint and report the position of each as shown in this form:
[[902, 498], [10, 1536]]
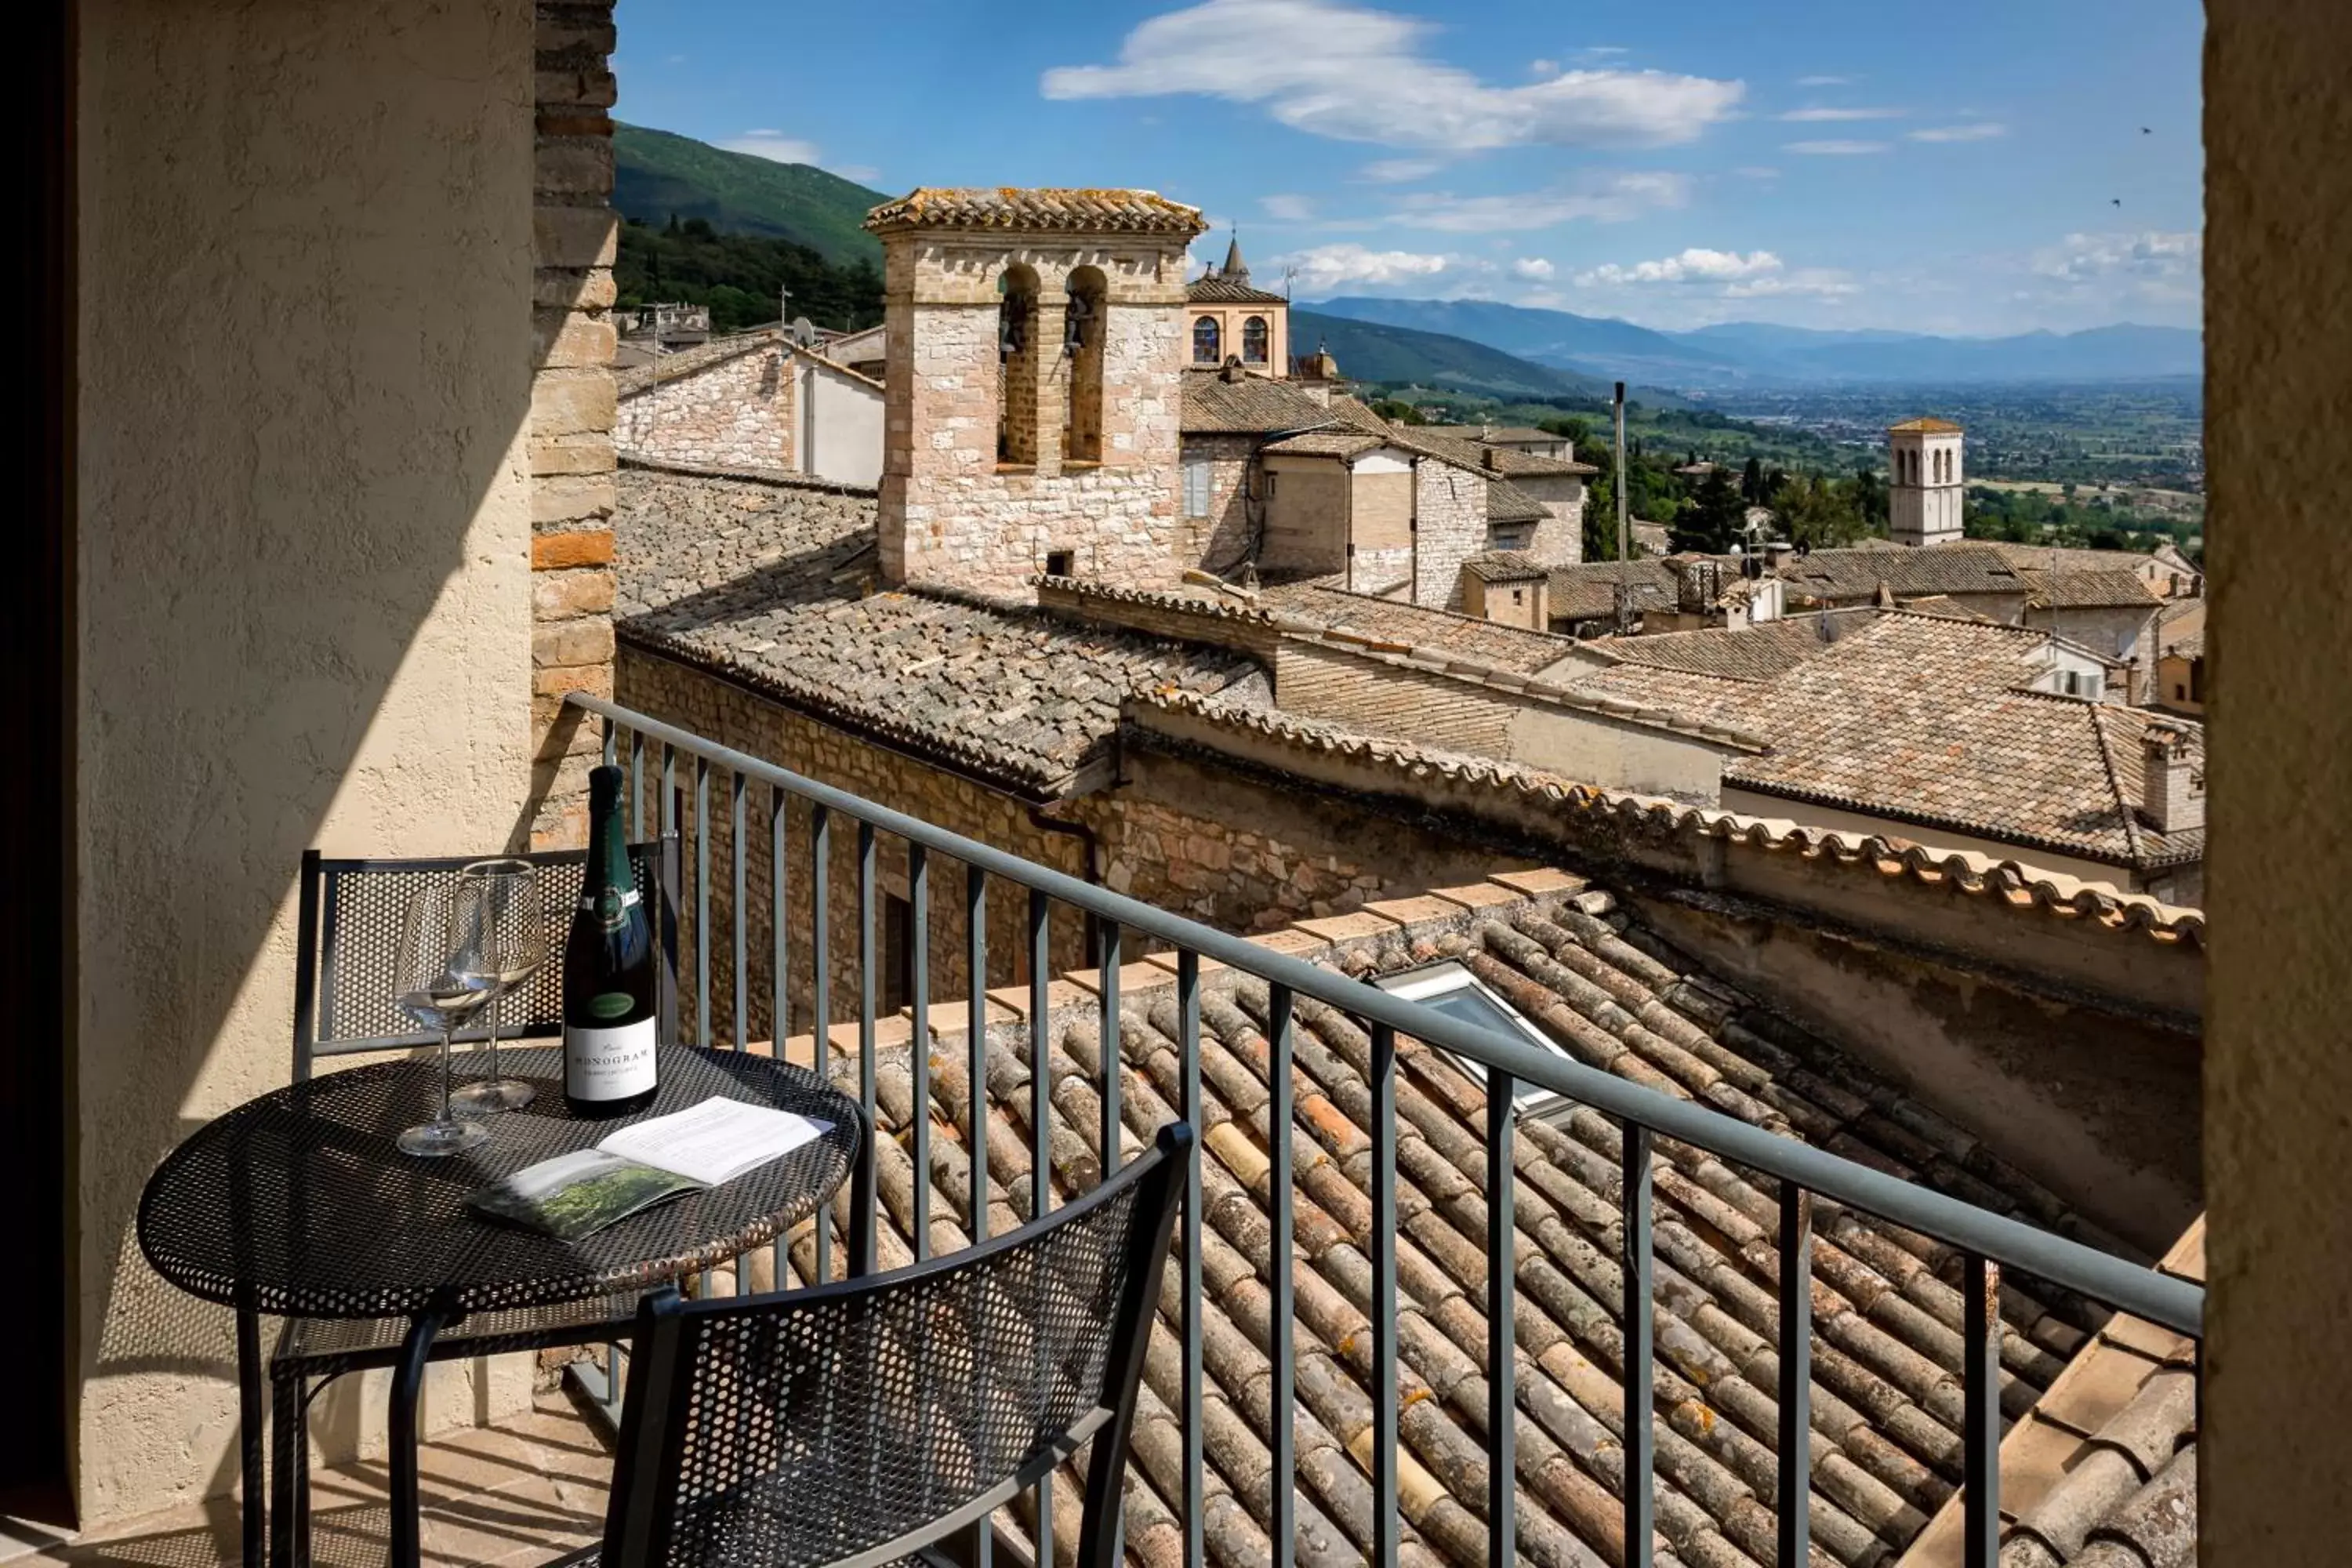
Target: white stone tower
[[1923, 490]]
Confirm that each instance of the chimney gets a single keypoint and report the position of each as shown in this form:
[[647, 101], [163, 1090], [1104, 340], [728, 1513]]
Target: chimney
[[2172, 775], [1492, 458]]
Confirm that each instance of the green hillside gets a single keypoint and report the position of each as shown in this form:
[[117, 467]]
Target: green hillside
[[1400, 357], [658, 176]]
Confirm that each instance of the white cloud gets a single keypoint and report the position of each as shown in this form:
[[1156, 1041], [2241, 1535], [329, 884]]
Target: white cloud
[[1978, 130], [1397, 171], [775, 146], [1543, 68], [1533, 268], [1825, 82], [2153, 255], [1822, 111], [1834, 148], [1327, 267], [1287, 208], [1694, 265], [1359, 75], [1818, 282], [1610, 198]]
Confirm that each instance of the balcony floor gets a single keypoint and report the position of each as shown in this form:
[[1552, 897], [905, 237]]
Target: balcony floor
[[524, 1492]]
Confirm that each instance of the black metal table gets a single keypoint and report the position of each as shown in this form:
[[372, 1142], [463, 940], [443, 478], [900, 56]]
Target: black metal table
[[298, 1205]]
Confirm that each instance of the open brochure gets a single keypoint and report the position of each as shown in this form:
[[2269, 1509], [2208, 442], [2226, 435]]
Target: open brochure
[[578, 1195]]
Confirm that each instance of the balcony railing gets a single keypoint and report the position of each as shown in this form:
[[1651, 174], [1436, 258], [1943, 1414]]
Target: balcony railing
[[1986, 1242]]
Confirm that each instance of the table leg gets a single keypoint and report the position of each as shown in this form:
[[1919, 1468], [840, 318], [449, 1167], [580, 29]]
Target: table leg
[[253, 1515], [407, 1385]]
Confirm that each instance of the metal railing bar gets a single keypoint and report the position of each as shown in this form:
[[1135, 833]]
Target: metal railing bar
[[1106, 971], [1502, 1330], [1282, 1442], [1386, 1518], [1188, 1057], [863, 1221], [821, 1017], [702, 902], [1794, 1498], [636, 786], [918, 1059], [1040, 1158], [975, 1046], [2174, 1303], [779, 1021], [1980, 1402], [1638, 1265], [736, 782]]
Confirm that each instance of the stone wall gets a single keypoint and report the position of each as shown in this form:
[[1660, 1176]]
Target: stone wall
[[1241, 854], [1560, 538], [1221, 540], [2107, 631], [1450, 526], [573, 402], [949, 508], [737, 413]]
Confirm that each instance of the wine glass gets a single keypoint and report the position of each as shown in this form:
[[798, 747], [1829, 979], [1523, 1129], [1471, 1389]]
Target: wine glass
[[440, 983], [513, 946]]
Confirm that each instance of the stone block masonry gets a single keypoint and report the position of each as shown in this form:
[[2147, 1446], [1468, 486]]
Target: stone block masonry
[[735, 412], [573, 404]]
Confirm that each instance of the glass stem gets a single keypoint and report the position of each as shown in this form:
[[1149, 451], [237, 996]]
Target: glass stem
[[447, 1032], [496, 1003]]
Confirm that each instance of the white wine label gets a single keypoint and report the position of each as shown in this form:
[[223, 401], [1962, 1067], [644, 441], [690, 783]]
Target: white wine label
[[608, 1064], [630, 898]]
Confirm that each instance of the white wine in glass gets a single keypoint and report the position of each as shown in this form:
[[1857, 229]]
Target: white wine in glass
[[512, 948]]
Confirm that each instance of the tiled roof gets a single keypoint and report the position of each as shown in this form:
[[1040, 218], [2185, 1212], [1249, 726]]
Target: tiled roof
[[675, 363], [1587, 590], [1465, 454], [767, 581], [1212, 289], [1888, 1414], [2071, 590], [1922, 719], [1248, 404], [1083, 210], [1506, 566], [2102, 1473], [1754, 653], [2189, 647], [1927, 427], [1417, 626], [1857, 573], [1495, 432], [1332, 443], [2005, 883], [2042, 556], [1505, 502]]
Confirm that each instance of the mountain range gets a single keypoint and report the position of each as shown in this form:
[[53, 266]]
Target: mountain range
[[658, 176], [1372, 350], [1756, 354]]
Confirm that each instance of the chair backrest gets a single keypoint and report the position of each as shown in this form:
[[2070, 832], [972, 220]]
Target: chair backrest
[[849, 1424], [347, 940]]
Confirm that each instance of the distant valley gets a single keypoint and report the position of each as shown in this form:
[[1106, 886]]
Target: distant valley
[[1746, 354]]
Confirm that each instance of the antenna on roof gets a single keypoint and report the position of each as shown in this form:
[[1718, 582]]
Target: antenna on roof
[[1287, 273]]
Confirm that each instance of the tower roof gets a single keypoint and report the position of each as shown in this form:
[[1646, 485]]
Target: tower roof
[[1924, 428], [1083, 210], [1235, 268]]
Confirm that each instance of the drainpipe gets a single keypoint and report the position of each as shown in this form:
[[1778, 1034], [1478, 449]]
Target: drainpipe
[[1412, 533]]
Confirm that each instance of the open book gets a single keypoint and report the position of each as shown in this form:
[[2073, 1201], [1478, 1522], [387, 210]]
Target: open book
[[578, 1195]]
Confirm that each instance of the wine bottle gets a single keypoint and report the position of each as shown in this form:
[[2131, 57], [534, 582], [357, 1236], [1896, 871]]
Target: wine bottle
[[611, 986]]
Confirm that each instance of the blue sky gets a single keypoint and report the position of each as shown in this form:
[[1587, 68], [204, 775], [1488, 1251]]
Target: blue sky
[[1961, 169]]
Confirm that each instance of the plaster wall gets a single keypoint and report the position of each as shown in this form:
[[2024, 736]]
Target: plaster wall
[[2278, 229], [1232, 324], [838, 429], [305, 616]]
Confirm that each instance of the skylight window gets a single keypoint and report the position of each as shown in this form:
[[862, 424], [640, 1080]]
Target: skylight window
[[1450, 989]]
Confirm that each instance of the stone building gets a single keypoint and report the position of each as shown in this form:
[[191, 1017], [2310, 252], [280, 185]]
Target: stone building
[[1033, 361], [1924, 490], [754, 401], [1229, 319]]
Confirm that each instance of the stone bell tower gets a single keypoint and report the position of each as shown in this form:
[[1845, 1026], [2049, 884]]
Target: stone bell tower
[[1033, 344], [1923, 491]]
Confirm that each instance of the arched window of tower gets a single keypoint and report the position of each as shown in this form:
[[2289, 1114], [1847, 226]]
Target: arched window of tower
[[1254, 341], [1208, 342]]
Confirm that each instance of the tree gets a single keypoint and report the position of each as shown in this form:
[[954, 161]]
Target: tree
[[1751, 482], [1818, 512], [1397, 411], [1714, 519]]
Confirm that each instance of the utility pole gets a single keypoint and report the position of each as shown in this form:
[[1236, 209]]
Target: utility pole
[[1624, 594]]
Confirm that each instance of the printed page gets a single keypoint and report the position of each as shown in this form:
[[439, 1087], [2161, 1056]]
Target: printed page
[[716, 1141], [577, 1194]]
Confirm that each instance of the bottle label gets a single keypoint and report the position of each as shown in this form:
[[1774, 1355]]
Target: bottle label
[[609, 1064], [630, 898]]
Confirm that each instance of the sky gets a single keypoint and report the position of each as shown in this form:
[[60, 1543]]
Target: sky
[[1998, 167]]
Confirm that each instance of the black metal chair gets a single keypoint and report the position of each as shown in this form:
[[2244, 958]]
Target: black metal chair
[[867, 1422], [347, 934]]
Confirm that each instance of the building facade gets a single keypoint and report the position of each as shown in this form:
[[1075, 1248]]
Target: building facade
[[1923, 487]]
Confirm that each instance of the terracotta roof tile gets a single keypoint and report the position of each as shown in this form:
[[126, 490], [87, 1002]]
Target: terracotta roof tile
[[1212, 289], [1506, 566], [1588, 591], [1888, 1440], [1417, 625], [1085, 210], [1248, 404]]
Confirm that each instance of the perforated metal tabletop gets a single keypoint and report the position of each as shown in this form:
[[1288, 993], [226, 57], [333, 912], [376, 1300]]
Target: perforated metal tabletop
[[297, 1204]]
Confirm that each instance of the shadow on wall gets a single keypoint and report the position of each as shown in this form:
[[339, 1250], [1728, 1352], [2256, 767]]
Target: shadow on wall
[[304, 548]]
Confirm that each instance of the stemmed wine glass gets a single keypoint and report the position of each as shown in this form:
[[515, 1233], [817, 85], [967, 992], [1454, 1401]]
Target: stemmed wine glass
[[440, 983], [512, 947]]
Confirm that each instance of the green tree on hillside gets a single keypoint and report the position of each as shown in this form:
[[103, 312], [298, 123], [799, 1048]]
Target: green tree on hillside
[[1713, 521], [741, 276]]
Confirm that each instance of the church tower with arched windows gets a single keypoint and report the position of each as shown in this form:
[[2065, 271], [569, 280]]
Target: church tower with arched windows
[[1234, 318], [1033, 355], [1923, 486]]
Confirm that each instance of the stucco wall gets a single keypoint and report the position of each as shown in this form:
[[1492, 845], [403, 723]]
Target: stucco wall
[[838, 435], [306, 365], [2274, 1466]]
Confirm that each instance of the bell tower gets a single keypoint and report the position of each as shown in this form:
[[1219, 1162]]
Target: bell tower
[[1923, 490]]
